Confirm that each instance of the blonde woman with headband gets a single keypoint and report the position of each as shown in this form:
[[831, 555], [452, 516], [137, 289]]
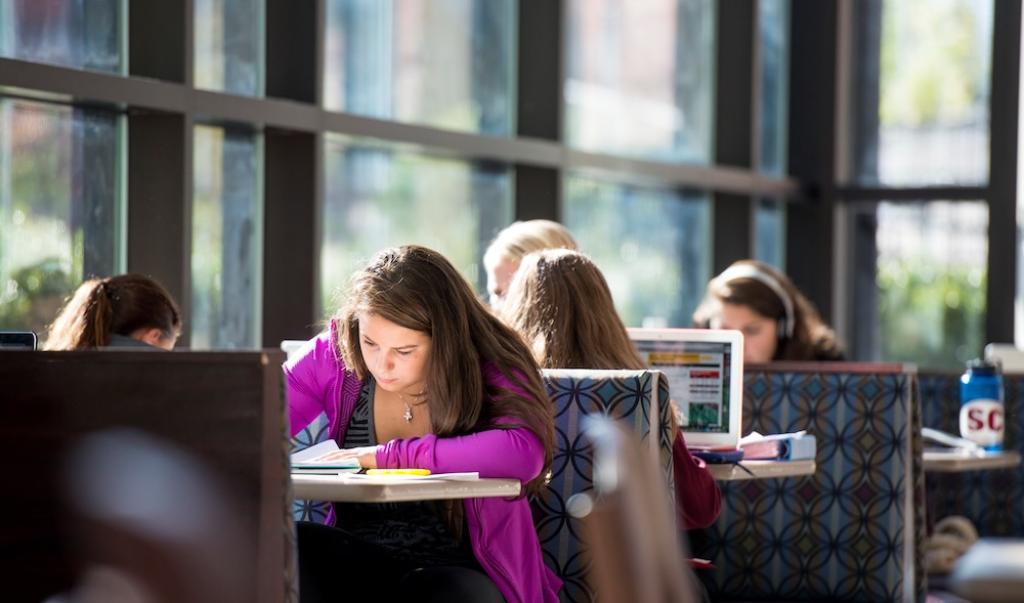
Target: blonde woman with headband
[[777, 321], [501, 260]]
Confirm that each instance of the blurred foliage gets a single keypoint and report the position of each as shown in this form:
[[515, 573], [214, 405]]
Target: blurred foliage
[[929, 313], [930, 62], [32, 296]]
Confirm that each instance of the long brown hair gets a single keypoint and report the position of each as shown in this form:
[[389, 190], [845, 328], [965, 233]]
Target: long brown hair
[[811, 338], [561, 304], [116, 305], [417, 288]]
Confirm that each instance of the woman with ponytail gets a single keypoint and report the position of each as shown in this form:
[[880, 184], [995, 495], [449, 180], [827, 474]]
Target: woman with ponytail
[[129, 310]]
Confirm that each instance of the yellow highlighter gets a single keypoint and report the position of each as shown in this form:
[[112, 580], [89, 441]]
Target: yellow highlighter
[[398, 472]]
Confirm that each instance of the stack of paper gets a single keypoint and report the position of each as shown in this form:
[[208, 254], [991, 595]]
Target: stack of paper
[[950, 444], [782, 446]]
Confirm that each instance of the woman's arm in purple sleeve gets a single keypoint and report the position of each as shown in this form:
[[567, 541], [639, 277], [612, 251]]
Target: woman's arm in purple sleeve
[[502, 453], [307, 392]]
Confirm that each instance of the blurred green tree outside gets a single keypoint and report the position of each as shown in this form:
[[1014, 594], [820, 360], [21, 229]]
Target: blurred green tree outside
[[934, 74], [931, 314], [32, 296]]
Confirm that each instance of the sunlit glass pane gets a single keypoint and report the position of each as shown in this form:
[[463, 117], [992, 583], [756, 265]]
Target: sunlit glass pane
[[640, 78], [651, 244], [227, 241], [229, 42], [84, 35], [773, 40], [448, 64], [931, 278], [770, 233], [378, 197], [922, 102], [61, 206]]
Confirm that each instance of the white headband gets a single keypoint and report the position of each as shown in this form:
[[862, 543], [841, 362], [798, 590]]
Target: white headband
[[751, 271]]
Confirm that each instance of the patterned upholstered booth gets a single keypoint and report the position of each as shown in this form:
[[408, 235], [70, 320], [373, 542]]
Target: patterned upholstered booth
[[990, 499], [624, 395], [852, 531], [310, 510]]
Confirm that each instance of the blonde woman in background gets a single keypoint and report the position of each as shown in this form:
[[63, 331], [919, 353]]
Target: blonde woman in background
[[501, 260]]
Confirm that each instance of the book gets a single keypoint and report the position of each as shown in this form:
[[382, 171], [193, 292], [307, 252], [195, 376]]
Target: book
[[308, 460], [783, 446]]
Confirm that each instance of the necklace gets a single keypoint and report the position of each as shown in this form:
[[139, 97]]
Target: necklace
[[407, 414]]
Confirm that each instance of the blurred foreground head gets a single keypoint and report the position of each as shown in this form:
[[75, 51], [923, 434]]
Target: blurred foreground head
[[152, 524]]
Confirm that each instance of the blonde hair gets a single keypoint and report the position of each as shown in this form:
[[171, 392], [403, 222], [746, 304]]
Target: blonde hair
[[520, 238], [561, 304]]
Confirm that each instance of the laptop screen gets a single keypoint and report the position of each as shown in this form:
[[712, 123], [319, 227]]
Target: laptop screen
[[698, 376], [704, 369]]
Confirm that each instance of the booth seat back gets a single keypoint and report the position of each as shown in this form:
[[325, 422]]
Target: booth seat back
[[314, 433], [990, 499], [853, 531], [639, 399]]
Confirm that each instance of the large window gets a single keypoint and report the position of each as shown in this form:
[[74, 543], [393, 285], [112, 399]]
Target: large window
[[380, 196], [931, 279], [922, 92], [85, 35], [446, 64], [61, 206], [640, 78], [651, 244], [227, 241], [401, 127], [229, 46]]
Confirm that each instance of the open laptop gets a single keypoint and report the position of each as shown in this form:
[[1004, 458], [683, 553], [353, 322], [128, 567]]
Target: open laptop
[[704, 368]]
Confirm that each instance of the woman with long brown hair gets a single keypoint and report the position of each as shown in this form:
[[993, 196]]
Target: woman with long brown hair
[[561, 305], [415, 372], [777, 321], [128, 310]]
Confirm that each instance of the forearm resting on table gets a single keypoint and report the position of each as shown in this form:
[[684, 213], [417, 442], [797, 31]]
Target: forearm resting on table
[[501, 453]]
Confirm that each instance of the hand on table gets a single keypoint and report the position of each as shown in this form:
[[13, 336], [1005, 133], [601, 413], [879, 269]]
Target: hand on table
[[366, 456]]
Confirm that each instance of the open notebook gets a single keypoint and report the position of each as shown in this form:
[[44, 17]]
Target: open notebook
[[305, 460]]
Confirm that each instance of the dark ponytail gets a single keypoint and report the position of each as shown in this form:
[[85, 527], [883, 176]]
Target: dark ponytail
[[117, 305], [97, 316]]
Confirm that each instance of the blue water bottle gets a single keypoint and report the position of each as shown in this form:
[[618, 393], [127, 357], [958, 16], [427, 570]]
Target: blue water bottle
[[981, 405]]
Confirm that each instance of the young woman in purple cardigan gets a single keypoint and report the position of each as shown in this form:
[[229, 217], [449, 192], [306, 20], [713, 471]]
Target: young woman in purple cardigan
[[416, 372]]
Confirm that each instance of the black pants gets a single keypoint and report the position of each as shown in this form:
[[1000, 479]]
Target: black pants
[[334, 568]]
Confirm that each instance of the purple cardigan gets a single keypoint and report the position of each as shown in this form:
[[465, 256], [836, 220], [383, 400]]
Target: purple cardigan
[[501, 531]]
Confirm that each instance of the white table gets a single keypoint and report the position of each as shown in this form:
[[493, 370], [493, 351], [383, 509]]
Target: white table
[[343, 488], [943, 461], [762, 470]]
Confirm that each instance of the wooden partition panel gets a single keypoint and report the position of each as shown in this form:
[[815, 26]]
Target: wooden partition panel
[[224, 409]]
